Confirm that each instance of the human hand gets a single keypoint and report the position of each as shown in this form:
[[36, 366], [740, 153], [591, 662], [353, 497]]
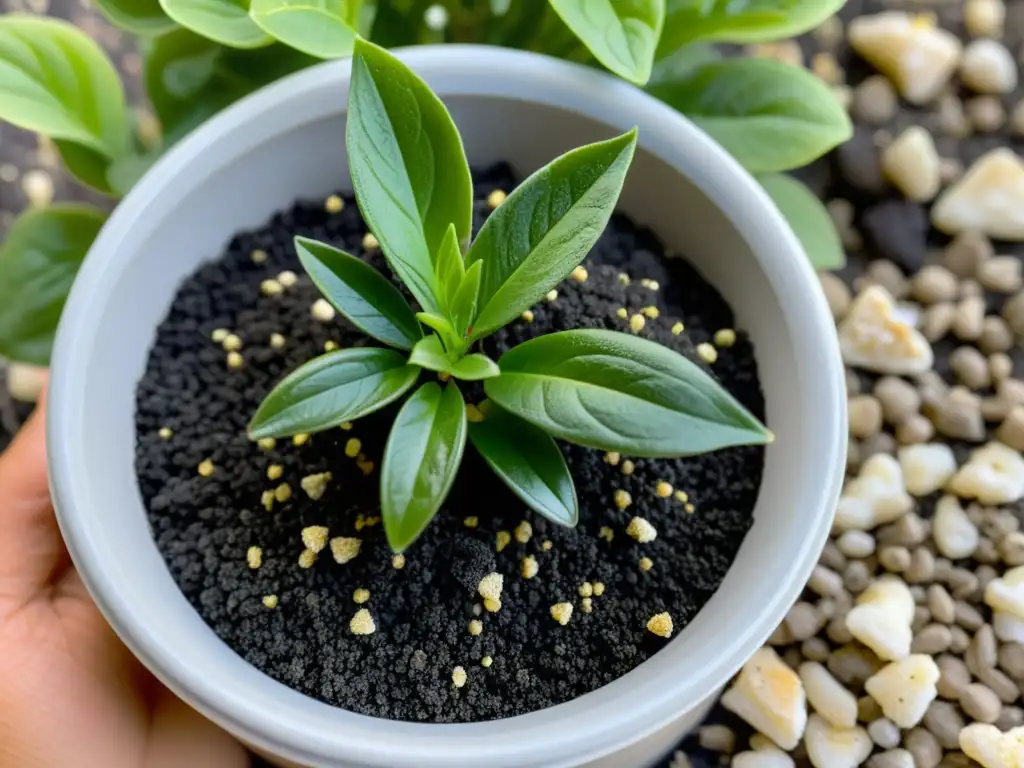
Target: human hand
[[71, 695]]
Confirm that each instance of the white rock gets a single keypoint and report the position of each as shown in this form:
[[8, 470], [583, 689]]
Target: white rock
[[991, 747], [927, 467], [905, 688], [994, 474], [988, 67], [954, 533], [873, 336], [827, 695], [877, 496], [916, 55], [984, 18], [1008, 628], [988, 198], [25, 382], [829, 747], [882, 617], [769, 696], [773, 758], [1006, 593], [911, 162]]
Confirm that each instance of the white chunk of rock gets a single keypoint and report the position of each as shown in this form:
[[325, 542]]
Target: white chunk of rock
[[25, 382], [1006, 593], [988, 198], [876, 337], [994, 474], [992, 748], [770, 697], [1008, 627], [926, 467], [877, 496], [987, 66], [827, 695], [829, 747], [882, 617], [954, 533], [904, 689], [912, 51], [911, 162], [763, 758]]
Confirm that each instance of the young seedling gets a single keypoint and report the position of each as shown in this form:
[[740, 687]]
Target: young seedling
[[596, 388]]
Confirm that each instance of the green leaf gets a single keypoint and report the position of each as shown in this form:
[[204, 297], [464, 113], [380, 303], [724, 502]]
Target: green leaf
[[140, 17], [360, 293], [56, 81], [769, 115], [740, 21], [332, 389], [430, 354], [443, 327], [421, 460], [316, 27], [464, 303], [450, 267], [87, 165], [546, 227], [527, 459], [124, 172], [809, 219], [682, 63], [408, 167], [622, 34], [618, 392], [224, 21], [39, 260]]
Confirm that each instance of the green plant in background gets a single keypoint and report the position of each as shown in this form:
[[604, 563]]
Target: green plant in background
[[201, 55], [597, 388]]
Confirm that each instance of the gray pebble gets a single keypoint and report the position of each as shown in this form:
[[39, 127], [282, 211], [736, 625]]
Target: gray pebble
[[963, 583], [792, 657], [1009, 717], [832, 558], [936, 320], [984, 646], [895, 758], [780, 636], [857, 577], [924, 747], [968, 617], [853, 664], [970, 367], [932, 640], [856, 544], [859, 163], [996, 336], [803, 621], [980, 703], [885, 733], [874, 101], [921, 568], [954, 677], [908, 531], [961, 640], [943, 568], [944, 721], [1011, 660], [955, 760], [941, 604], [922, 618], [717, 738], [966, 253], [815, 649], [914, 430], [1011, 548], [985, 574], [894, 559], [1001, 684], [825, 582], [1013, 313], [868, 710], [837, 631], [986, 551], [899, 398]]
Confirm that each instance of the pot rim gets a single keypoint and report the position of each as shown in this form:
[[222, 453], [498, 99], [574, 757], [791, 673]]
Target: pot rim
[[633, 706]]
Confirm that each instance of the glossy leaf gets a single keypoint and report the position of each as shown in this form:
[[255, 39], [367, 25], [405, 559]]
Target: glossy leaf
[[139, 17], [770, 116], [465, 301], [430, 354], [421, 460], [38, 262], [809, 219], [450, 267], [224, 21], [740, 21], [332, 389], [316, 27], [545, 228], [622, 34], [443, 327], [408, 167], [361, 293], [618, 392], [529, 462], [56, 81], [87, 165]]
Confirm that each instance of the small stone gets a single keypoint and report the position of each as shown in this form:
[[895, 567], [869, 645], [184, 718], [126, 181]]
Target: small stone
[[874, 101], [877, 496], [881, 619], [894, 559], [322, 311], [1006, 595], [996, 339], [717, 738], [459, 677], [561, 612], [830, 747], [770, 697], [926, 468], [898, 230], [856, 543], [344, 549], [954, 677], [993, 475], [803, 621], [989, 198], [911, 162], [836, 293], [334, 204], [1000, 365], [270, 601], [897, 397], [934, 283], [1009, 628], [966, 253], [884, 733], [361, 596], [894, 758], [986, 113], [914, 430], [918, 57], [874, 338], [988, 67], [707, 353], [955, 535], [937, 320], [1001, 274], [980, 703], [362, 623], [859, 163], [985, 18], [991, 748], [969, 318], [865, 416], [932, 640], [206, 468], [528, 567], [945, 723], [959, 416], [905, 689], [490, 586], [827, 696], [641, 530], [1011, 548], [659, 624], [771, 758]]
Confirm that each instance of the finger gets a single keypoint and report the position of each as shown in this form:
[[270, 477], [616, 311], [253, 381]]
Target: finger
[[31, 547], [181, 736]]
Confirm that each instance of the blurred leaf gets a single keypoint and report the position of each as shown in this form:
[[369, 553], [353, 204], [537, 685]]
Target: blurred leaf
[[223, 21], [140, 17], [808, 218], [317, 27], [87, 165], [682, 63], [39, 260]]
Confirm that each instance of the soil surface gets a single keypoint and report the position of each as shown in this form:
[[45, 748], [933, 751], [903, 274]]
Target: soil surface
[[205, 525]]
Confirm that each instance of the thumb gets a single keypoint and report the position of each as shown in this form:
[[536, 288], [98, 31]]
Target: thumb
[[31, 547]]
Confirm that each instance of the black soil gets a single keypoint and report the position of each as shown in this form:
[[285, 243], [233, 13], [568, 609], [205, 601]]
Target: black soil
[[204, 526]]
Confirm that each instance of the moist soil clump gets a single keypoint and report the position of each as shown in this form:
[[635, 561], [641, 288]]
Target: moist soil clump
[[206, 522]]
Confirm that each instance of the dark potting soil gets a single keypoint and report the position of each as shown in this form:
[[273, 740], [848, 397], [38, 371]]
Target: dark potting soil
[[205, 525]]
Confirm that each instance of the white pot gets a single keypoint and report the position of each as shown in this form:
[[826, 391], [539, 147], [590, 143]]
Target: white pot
[[286, 142]]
